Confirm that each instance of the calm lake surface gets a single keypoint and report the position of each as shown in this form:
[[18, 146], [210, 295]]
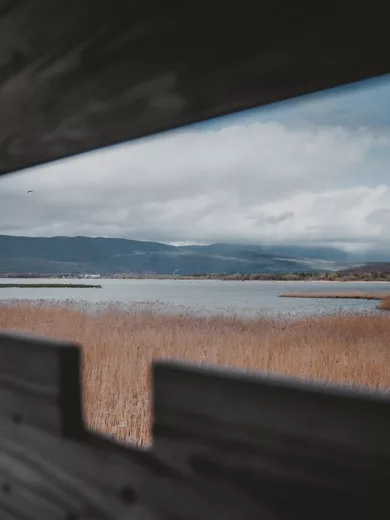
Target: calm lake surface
[[202, 297]]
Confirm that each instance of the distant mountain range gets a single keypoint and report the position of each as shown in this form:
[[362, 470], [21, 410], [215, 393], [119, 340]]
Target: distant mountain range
[[370, 267], [59, 255]]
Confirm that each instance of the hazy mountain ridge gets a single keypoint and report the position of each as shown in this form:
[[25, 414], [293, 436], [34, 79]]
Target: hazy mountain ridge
[[370, 267], [57, 255]]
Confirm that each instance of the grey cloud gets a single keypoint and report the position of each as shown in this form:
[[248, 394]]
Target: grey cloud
[[262, 219], [380, 217], [244, 182]]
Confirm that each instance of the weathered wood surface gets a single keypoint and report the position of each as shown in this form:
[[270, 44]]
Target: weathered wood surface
[[81, 74], [225, 446]]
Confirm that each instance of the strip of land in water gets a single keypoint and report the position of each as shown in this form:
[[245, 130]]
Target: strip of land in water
[[383, 297], [48, 286], [356, 295]]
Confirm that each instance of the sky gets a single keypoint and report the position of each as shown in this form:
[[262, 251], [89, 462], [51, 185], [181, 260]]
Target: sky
[[313, 170]]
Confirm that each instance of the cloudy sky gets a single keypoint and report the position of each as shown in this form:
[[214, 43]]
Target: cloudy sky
[[311, 170]]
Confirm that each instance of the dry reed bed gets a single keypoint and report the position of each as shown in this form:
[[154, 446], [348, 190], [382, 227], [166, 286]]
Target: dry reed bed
[[118, 349]]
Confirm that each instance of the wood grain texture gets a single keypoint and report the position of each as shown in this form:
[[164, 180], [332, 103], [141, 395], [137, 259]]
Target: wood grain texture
[[40, 382], [51, 476], [76, 75], [226, 446], [51, 468], [295, 448]]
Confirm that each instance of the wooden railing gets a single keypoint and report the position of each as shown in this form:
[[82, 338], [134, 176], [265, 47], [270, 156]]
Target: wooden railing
[[225, 446]]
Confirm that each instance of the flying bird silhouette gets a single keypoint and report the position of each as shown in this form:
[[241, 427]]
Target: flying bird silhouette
[[30, 191]]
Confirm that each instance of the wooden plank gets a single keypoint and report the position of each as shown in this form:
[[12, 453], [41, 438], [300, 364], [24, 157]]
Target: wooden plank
[[40, 381], [299, 448], [77, 75], [311, 412], [221, 449], [50, 473], [51, 477]]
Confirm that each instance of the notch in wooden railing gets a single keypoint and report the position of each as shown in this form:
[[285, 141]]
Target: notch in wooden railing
[[225, 446]]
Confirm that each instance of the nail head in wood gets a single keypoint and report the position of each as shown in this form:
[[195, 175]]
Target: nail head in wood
[[6, 488], [16, 418], [128, 495]]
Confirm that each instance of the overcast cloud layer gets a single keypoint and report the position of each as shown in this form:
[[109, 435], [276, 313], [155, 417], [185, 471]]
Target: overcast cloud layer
[[313, 170]]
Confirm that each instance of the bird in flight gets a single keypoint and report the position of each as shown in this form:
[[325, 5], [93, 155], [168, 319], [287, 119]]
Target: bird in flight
[[30, 191]]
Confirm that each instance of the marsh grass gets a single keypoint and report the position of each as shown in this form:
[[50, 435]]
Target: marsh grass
[[118, 348]]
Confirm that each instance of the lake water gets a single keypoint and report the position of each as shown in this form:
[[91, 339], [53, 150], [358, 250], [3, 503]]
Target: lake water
[[204, 297]]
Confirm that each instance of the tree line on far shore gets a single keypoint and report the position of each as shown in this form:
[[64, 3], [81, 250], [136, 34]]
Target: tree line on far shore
[[340, 276], [310, 276]]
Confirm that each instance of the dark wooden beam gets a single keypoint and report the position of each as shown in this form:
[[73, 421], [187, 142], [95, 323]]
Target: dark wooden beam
[[76, 75]]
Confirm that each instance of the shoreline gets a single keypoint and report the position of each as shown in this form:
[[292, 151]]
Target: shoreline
[[186, 278], [162, 308]]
